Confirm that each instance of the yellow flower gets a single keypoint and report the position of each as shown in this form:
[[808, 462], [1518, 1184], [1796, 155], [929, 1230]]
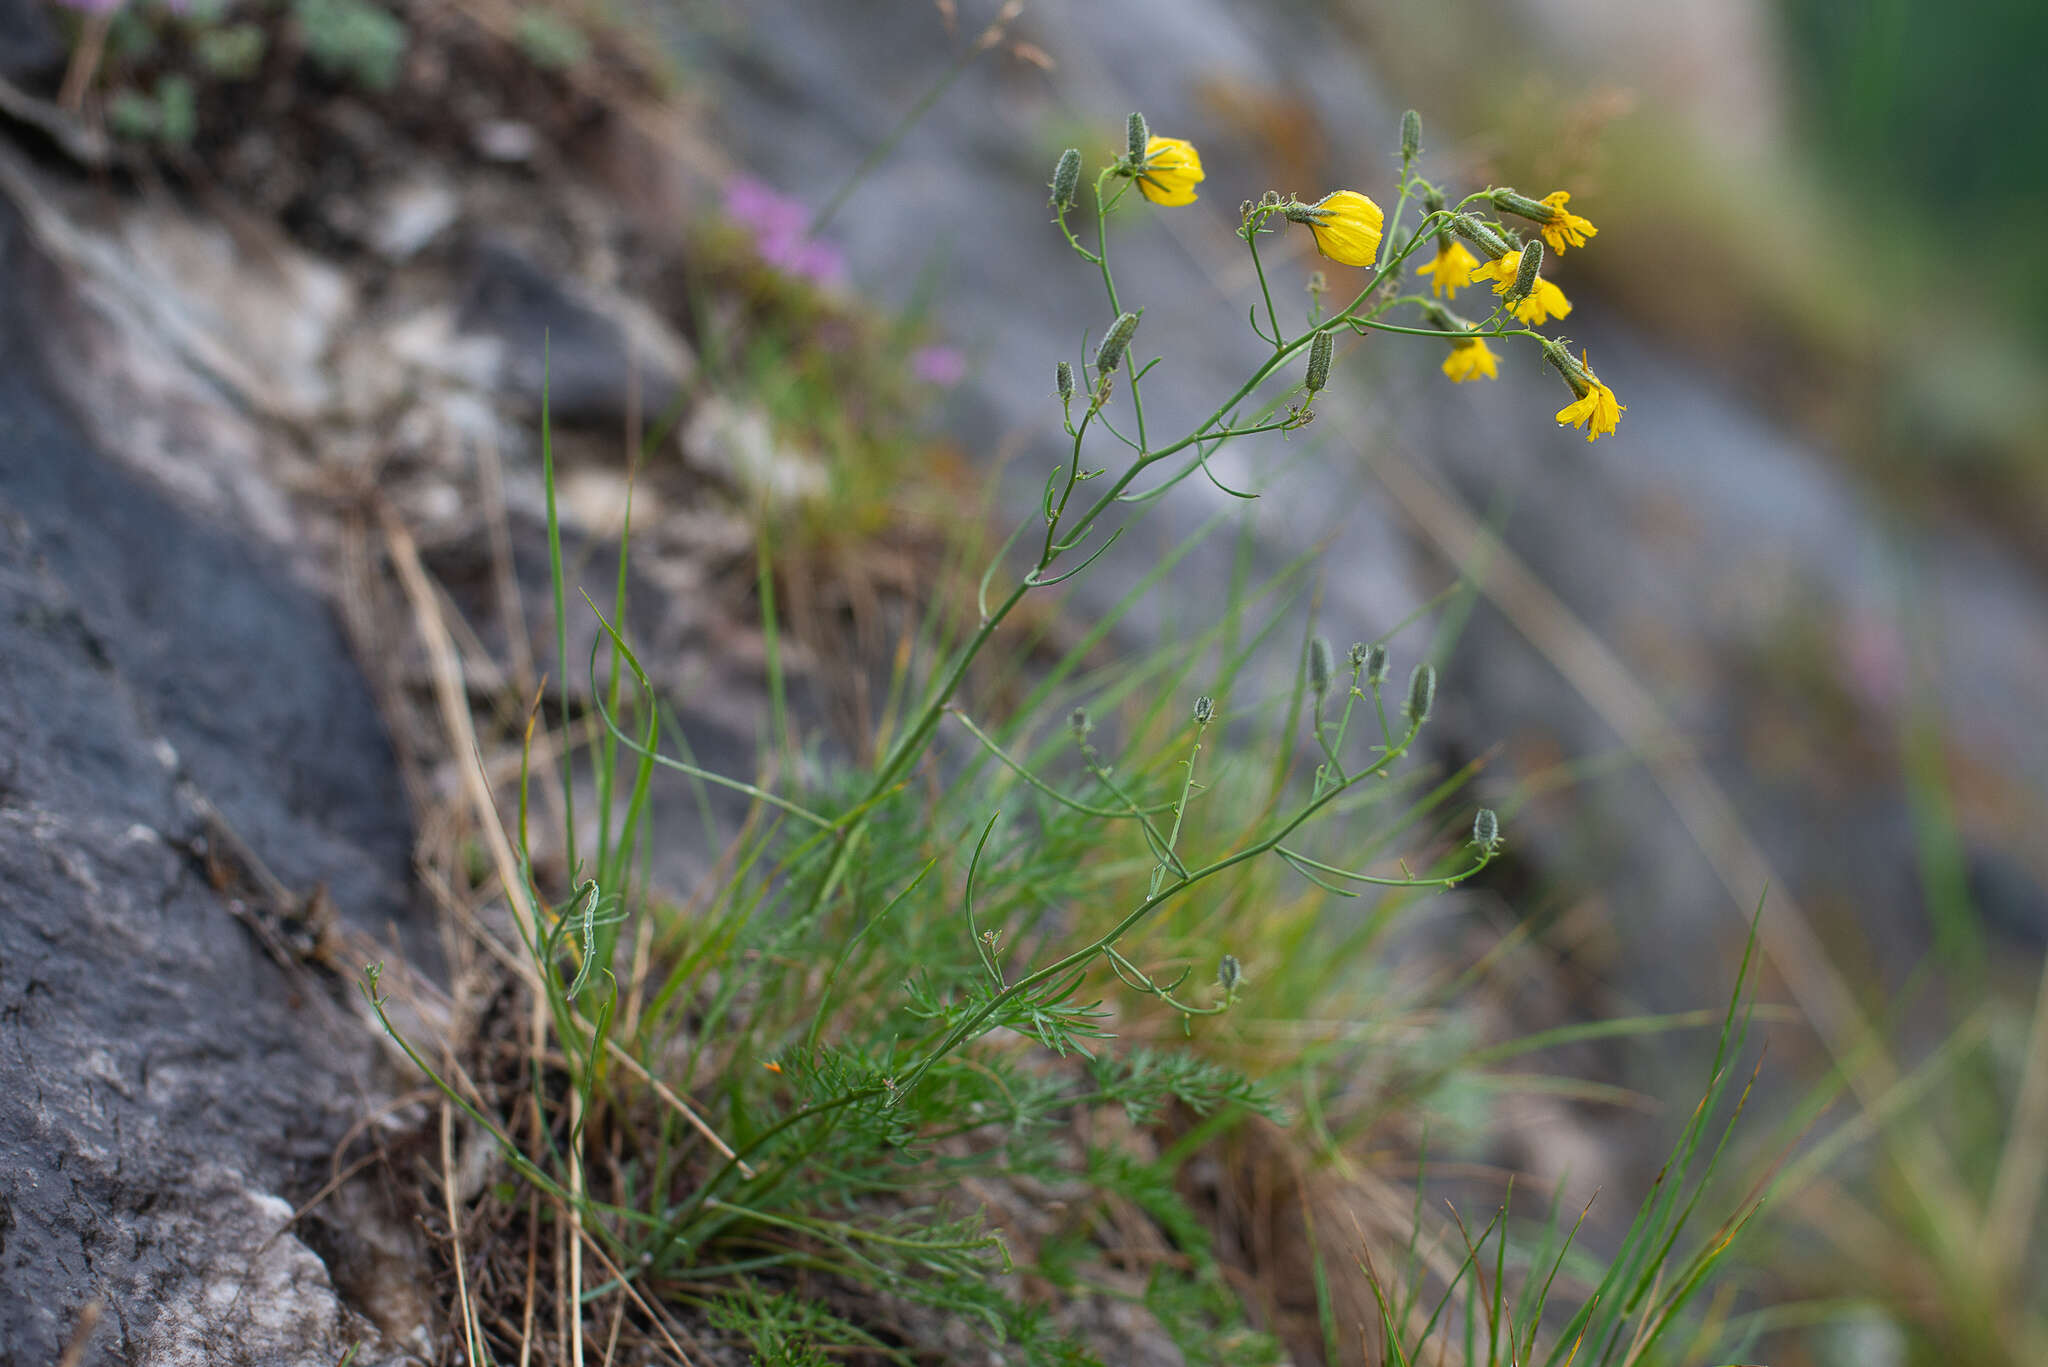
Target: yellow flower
[[1473, 360], [1565, 229], [1501, 271], [1452, 269], [1597, 411], [1171, 171], [1346, 226], [1546, 301]]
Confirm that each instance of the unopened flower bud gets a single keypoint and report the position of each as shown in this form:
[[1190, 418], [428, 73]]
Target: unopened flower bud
[[1064, 377], [1421, 694], [1229, 973], [1433, 203], [1111, 353], [1480, 236], [1137, 135], [1319, 361], [1443, 319], [1066, 179], [1205, 710], [1533, 209], [1356, 656], [1376, 664], [1486, 830], [1411, 135], [1078, 723], [1525, 273], [1319, 666]]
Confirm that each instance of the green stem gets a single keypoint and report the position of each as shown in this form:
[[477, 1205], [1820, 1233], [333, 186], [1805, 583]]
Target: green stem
[[1080, 958], [1116, 307], [1251, 240], [888, 144]]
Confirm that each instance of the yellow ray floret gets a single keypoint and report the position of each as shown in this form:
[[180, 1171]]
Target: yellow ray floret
[[1473, 360], [1347, 227], [1597, 410], [1452, 269], [1546, 301], [1565, 229], [1172, 170]]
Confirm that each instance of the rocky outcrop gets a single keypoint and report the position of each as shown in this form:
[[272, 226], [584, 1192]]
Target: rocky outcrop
[[192, 778]]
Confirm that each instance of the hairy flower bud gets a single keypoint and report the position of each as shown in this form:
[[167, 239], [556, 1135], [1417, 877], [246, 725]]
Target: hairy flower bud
[[1138, 134], [1376, 664], [1319, 666], [1534, 210], [1205, 710], [1411, 135], [1078, 723], [1114, 343], [1356, 656], [1066, 179], [1525, 273], [1064, 377], [1421, 694], [1229, 973], [1442, 319], [1558, 351], [1480, 236], [1486, 830], [1319, 362]]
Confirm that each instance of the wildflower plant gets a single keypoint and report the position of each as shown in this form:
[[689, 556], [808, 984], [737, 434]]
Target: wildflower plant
[[909, 975]]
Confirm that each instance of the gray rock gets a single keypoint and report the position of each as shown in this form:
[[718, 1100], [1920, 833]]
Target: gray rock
[[29, 46], [169, 1092], [551, 334]]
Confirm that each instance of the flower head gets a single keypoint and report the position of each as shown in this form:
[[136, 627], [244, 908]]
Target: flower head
[[938, 365], [1451, 270], [1471, 360], [1596, 409], [1560, 227], [781, 229], [1346, 225], [1170, 171], [1545, 301], [1565, 228]]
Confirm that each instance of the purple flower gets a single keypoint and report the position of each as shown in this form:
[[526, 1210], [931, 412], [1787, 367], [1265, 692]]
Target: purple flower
[[938, 365], [780, 226]]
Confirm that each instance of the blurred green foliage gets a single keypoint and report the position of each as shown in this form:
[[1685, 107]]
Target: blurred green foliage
[[353, 39], [1938, 105]]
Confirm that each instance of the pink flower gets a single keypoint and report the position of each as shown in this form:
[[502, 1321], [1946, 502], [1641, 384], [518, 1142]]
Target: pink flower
[[938, 365], [1872, 660], [780, 226]]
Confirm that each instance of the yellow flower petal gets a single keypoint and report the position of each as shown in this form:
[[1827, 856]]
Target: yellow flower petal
[[1598, 411], [1473, 360], [1545, 302], [1347, 227], [1172, 170], [1501, 272], [1451, 270], [1566, 229]]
